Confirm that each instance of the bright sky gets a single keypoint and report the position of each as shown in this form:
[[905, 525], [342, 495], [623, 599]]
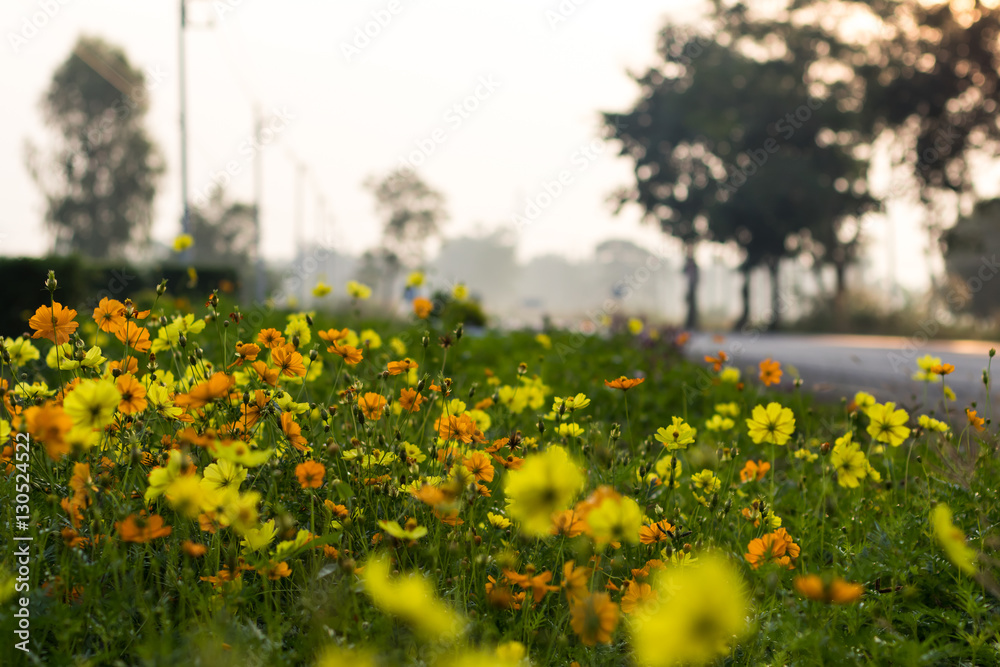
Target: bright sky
[[532, 76]]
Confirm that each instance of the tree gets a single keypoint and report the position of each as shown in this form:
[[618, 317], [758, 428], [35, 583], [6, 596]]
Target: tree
[[412, 213], [970, 249], [223, 232], [100, 180], [726, 141]]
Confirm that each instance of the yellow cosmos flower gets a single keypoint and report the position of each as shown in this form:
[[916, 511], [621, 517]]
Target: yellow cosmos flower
[[774, 424], [93, 403], [676, 436], [887, 424], [849, 462]]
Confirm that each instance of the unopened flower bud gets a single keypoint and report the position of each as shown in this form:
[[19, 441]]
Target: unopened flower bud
[[459, 331], [51, 283], [313, 355], [824, 448], [161, 288]]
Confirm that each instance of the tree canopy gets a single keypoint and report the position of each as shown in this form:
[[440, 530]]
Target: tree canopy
[[99, 181]]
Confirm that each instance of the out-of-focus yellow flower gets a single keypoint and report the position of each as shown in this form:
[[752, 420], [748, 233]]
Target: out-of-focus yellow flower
[[357, 290], [92, 404], [411, 599], [616, 520], [635, 326], [460, 292], [931, 424], [183, 242], [545, 483], [952, 539], [321, 289], [706, 604], [544, 340], [415, 279], [730, 375], [335, 656], [370, 338], [571, 429]]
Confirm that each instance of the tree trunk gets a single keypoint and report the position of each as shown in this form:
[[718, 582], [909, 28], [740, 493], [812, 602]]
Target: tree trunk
[[745, 295], [840, 297], [775, 295], [691, 299]]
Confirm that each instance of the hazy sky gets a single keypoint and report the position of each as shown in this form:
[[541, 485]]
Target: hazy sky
[[529, 77]]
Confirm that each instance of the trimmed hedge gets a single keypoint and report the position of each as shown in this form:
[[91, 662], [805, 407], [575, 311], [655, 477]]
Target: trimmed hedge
[[82, 284]]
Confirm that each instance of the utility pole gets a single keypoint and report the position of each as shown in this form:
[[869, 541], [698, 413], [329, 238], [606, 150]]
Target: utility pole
[[258, 187], [182, 69]]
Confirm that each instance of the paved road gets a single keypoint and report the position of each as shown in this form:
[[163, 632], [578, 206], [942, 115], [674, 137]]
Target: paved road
[[832, 366]]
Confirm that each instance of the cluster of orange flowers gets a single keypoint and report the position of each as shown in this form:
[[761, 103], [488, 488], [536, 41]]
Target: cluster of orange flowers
[[776, 547]]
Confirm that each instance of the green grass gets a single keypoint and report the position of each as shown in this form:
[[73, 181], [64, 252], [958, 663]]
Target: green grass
[[115, 602]]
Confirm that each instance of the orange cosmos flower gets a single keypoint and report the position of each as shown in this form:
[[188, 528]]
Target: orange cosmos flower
[[942, 369], [717, 361], [133, 394], [575, 580], [110, 315], [274, 571], [624, 383], [267, 374], [463, 427], [682, 338], [422, 307], [288, 361], [205, 392], [141, 529], [333, 335], [656, 532], [836, 591], [193, 549], [400, 367], [754, 470], [245, 352], [372, 405], [636, 595], [776, 547], [568, 523], [594, 619], [352, 356], [48, 424], [538, 584], [55, 323], [974, 421], [131, 365], [310, 474], [293, 431], [478, 463], [271, 338], [410, 400], [770, 372], [134, 336]]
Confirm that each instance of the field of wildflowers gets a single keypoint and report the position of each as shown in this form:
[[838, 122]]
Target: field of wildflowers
[[185, 488]]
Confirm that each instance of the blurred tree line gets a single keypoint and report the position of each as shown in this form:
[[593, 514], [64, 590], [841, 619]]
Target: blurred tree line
[[759, 126]]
